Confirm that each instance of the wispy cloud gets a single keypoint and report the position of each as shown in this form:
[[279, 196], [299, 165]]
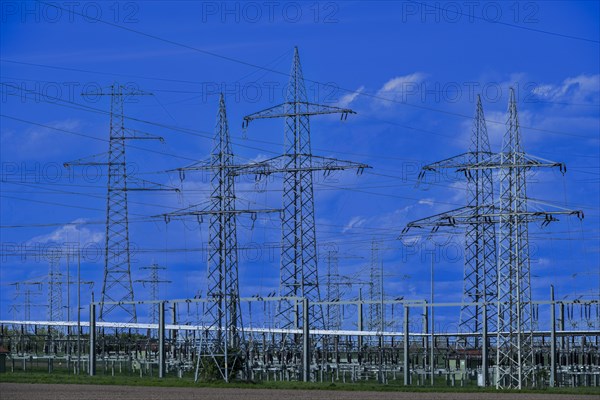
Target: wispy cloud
[[355, 222], [347, 99], [584, 89], [399, 87], [75, 231]]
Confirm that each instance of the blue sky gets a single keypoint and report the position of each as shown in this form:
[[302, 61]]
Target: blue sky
[[410, 70]]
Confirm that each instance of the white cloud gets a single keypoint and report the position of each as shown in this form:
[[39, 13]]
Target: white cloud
[[399, 87], [579, 89], [355, 222], [347, 99], [76, 231]]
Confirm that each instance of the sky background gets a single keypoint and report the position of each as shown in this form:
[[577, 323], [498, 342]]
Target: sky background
[[410, 70]]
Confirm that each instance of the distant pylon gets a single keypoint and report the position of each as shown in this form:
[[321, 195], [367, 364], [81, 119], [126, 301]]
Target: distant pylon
[[298, 270], [55, 289], [333, 316], [27, 295], [375, 290], [154, 281]]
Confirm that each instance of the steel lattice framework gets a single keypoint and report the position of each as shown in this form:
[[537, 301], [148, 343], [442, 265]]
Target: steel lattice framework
[[154, 280], [224, 335], [55, 289], [510, 213], [480, 269], [514, 357], [117, 287], [298, 270], [375, 290], [333, 315], [223, 313]]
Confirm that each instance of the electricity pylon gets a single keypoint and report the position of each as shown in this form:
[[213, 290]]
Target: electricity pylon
[[375, 322], [27, 294], [298, 270], [333, 316], [117, 285], [55, 291], [224, 334], [480, 269], [153, 280], [514, 338]]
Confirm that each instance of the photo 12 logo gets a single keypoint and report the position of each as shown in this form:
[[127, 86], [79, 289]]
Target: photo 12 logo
[[69, 11], [470, 12], [254, 12], [60, 92]]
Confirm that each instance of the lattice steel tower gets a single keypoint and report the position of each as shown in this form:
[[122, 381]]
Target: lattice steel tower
[[333, 315], [55, 289], [223, 310], [298, 270], [154, 280], [510, 213], [480, 269], [375, 290], [224, 334], [117, 285]]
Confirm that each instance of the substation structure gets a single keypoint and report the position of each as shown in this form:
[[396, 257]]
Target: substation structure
[[502, 339], [565, 345]]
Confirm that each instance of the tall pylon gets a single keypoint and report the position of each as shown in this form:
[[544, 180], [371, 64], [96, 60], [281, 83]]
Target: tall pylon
[[223, 314], [510, 213], [480, 274], [117, 288], [480, 262], [116, 285], [223, 338], [298, 269], [515, 331]]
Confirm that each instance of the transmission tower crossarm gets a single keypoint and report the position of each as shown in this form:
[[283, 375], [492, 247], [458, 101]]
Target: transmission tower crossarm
[[311, 163], [186, 212], [134, 134], [470, 216], [96, 159], [505, 160], [297, 109], [458, 162], [144, 185]]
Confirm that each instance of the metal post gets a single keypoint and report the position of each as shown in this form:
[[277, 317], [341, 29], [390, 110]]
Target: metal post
[[406, 346], [425, 333], [432, 359], [305, 340], [484, 345], [552, 339], [561, 324], [360, 319], [161, 339], [174, 331], [79, 311], [92, 356]]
